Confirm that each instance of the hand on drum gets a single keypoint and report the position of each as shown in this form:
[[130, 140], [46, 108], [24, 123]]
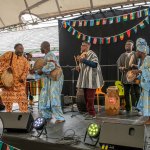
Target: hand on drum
[[78, 68]]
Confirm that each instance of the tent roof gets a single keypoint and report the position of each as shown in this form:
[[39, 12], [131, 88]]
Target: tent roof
[[11, 10]]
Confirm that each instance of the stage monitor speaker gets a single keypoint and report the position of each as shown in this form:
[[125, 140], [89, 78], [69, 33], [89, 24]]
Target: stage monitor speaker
[[129, 136], [17, 121]]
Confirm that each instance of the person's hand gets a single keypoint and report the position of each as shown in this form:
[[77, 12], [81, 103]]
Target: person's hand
[[78, 58], [21, 80], [78, 68], [10, 70], [40, 72], [123, 69]]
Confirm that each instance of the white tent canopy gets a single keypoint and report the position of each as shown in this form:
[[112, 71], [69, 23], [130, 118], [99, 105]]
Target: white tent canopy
[[11, 10]]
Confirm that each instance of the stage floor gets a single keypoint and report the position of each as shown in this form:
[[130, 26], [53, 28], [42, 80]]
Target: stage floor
[[75, 122]]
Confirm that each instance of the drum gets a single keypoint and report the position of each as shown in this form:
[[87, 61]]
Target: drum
[[130, 76], [38, 65], [112, 101], [80, 100], [40, 85]]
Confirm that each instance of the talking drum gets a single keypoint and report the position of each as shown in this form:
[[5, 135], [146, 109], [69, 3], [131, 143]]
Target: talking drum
[[112, 101]]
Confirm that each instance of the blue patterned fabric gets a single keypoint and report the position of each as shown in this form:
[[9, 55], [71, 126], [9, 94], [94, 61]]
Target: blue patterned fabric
[[50, 96], [144, 101]]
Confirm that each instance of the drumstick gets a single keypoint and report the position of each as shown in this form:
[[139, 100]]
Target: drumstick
[[76, 60]]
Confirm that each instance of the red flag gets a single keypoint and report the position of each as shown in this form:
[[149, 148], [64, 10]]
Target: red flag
[[128, 33]]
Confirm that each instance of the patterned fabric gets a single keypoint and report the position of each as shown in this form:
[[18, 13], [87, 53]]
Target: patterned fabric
[[17, 93], [90, 77], [50, 96], [123, 61], [144, 102]]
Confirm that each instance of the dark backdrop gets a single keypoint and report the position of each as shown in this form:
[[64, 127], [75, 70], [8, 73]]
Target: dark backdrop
[[108, 53]]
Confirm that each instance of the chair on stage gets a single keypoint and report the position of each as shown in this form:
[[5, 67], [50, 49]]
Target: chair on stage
[[99, 92]]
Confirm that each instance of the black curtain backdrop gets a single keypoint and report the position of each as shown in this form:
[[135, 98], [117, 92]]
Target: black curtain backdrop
[[108, 54]]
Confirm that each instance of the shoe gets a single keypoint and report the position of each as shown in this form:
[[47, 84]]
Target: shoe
[[85, 114], [90, 117], [59, 121]]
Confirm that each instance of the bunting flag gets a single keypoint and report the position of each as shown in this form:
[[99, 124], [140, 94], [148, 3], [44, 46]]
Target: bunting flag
[[94, 40], [98, 22], [132, 16], [128, 33], [125, 17], [91, 22], [85, 23], [147, 20], [135, 29], [108, 39], [103, 21], [114, 39], [80, 23], [83, 37], [69, 29], [74, 23], [65, 24], [111, 20], [1, 145], [118, 19], [121, 36], [141, 24]]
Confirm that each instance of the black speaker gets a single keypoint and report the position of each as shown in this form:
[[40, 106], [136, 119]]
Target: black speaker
[[121, 136], [17, 121]]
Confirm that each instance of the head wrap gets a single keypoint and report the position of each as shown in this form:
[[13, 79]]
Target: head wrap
[[141, 45]]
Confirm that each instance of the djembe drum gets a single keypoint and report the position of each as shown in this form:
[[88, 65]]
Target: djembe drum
[[112, 101]]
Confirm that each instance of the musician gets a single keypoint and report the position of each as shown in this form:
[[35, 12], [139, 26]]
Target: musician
[[90, 77], [50, 96], [142, 51], [124, 67], [19, 68]]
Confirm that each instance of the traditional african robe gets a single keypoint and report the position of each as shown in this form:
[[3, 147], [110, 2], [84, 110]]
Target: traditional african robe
[[144, 102], [50, 96], [90, 77], [17, 93]]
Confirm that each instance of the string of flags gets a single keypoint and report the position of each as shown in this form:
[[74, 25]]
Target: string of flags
[[8, 147], [109, 39], [109, 20]]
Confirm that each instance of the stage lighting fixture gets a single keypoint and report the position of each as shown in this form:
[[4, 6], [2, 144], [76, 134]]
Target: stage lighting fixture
[[93, 131], [40, 125]]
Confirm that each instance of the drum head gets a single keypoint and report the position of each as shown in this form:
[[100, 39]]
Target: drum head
[[130, 76]]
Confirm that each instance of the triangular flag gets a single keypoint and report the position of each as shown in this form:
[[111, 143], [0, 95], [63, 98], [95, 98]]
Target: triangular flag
[[108, 40], [89, 39], [80, 23], [125, 17], [118, 19], [74, 23], [11, 147], [121, 36], [94, 40], [146, 12], [98, 22], [7, 147], [70, 29], [135, 29], [78, 35], [114, 39], [85, 23], [64, 24], [101, 41], [111, 20], [147, 20], [91, 22], [132, 16], [104, 21], [128, 33], [138, 14], [83, 37], [149, 11], [68, 23], [141, 24], [73, 32]]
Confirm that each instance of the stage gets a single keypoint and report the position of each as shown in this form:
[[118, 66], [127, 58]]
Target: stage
[[74, 121]]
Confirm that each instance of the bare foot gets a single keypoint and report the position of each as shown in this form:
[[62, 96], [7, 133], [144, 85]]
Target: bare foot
[[59, 121]]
